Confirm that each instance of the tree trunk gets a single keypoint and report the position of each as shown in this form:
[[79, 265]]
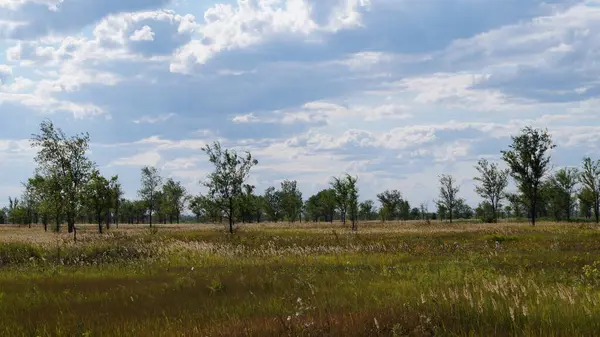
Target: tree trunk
[[177, 218], [597, 210], [230, 216]]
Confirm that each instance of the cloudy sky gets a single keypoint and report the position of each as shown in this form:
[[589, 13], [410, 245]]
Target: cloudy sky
[[394, 91]]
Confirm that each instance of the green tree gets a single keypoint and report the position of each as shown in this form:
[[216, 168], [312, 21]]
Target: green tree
[[97, 196], [273, 204], [291, 200], [390, 204], [493, 181], [366, 209], [40, 188], [226, 182], [3, 216], [149, 191], [342, 196], [352, 191], [586, 202], [117, 197], [590, 179], [176, 198], [529, 162], [448, 195], [65, 159], [566, 180]]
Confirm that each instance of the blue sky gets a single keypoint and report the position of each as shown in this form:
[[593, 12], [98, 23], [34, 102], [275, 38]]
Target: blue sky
[[394, 91]]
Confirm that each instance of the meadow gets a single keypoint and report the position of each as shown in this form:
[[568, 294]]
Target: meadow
[[392, 279]]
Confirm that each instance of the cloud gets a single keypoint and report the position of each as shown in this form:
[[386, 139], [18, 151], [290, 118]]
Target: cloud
[[144, 34], [44, 17], [154, 119], [150, 158], [396, 92]]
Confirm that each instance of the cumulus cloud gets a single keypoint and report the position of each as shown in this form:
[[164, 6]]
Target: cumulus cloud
[[144, 34], [394, 91]]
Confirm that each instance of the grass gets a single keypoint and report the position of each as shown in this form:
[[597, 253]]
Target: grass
[[394, 279]]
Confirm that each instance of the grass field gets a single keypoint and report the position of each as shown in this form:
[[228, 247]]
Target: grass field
[[393, 279]]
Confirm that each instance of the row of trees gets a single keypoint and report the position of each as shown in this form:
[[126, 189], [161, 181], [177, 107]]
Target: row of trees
[[68, 187]]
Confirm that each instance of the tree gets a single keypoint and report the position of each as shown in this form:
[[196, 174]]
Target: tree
[[117, 197], [390, 204], [366, 209], [529, 163], [3, 216], [40, 188], [225, 183], [65, 159], [590, 179], [342, 197], [322, 204], [586, 202], [448, 195], [97, 196], [175, 198], [151, 183], [273, 204], [493, 181], [352, 190], [291, 200], [566, 180]]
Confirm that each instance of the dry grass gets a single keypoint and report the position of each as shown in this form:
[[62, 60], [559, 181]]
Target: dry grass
[[391, 279]]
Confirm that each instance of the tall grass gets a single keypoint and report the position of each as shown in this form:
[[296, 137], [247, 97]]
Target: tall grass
[[387, 280]]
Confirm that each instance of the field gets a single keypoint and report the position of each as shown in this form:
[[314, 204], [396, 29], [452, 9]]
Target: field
[[394, 279]]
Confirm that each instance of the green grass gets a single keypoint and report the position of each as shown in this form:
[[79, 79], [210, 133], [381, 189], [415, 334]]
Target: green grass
[[387, 280]]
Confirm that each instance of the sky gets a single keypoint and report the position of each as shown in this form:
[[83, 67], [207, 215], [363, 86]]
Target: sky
[[396, 92]]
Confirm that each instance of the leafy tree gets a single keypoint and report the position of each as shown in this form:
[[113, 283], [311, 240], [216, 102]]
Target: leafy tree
[[492, 181], [352, 190], [291, 200], [390, 204], [424, 208], [586, 202], [486, 212], [117, 197], [149, 191], [342, 196], [590, 179], [404, 210], [462, 210], [175, 198], [226, 182], [448, 195], [415, 213], [65, 159], [248, 203], [529, 162], [366, 209], [322, 204], [41, 189], [3, 216], [273, 204], [566, 180], [97, 196]]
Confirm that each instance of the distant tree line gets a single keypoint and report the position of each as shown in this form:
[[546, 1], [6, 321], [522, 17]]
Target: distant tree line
[[68, 188]]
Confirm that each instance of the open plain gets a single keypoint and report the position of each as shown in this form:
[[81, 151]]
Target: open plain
[[392, 279]]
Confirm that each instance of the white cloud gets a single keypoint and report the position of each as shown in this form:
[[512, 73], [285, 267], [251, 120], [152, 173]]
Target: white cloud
[[154, 119], [227, 27], [149, 158], [143, 34]]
